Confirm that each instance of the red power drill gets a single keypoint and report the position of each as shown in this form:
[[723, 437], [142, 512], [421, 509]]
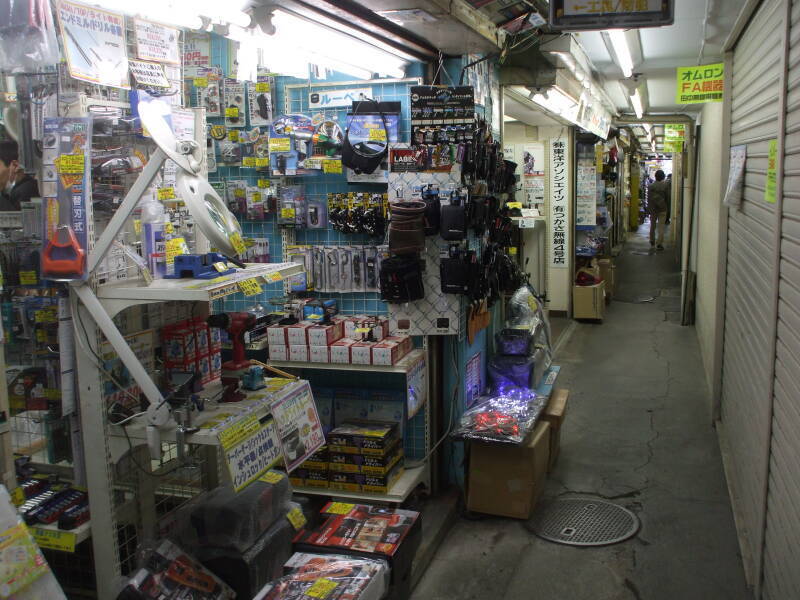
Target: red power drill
[[235, 323]]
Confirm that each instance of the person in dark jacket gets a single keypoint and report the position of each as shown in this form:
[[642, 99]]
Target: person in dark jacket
[[15, 184], [658, 203]]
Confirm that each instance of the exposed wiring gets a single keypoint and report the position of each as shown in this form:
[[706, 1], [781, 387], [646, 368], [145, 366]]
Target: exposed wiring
[[139, 466]]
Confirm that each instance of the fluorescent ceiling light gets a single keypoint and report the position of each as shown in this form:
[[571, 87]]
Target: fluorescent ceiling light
[[636, 101], [507, 119], [181, 13], [621, 49]]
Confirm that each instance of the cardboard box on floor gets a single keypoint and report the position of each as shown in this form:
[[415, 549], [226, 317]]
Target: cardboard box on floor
[[588, 301], [608, 272], [506, 479], [554, 414]]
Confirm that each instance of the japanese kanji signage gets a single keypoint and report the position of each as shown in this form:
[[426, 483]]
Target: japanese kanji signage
[[559, 204], [299, 427], [609, 14], [700, 84], [254, 456]]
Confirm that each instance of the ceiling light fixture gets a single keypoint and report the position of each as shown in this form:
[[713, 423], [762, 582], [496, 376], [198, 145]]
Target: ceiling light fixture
[[621, 49], [636, 101]]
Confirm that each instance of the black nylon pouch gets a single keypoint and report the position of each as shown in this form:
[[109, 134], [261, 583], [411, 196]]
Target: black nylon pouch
[[401, 280], [453, 226], [454, 274]]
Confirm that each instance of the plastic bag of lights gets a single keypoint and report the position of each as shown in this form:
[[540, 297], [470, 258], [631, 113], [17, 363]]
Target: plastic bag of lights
[[505, 417]]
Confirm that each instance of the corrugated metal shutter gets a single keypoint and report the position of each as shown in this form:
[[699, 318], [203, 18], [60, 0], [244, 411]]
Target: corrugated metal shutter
[[781, 577], [748, 345]]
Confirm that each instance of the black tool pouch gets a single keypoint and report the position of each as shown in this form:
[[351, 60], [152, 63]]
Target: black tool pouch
[[454, 274], [401, 279], [432, 216], [453, 226]]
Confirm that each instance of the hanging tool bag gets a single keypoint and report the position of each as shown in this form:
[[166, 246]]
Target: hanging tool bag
[[453, 226], [455, 270], [401, 279], [407, 227]]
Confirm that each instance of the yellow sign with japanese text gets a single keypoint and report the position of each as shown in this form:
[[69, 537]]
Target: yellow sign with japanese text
[[696, 85]]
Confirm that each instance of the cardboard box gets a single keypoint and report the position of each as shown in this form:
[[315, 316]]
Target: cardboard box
[[216, 364], [215, 338], [178, 344], [340, 351], [276, 335], [588, 301], [554, 413], [201, 337], [316, 478], [325, 335], [298, 353], [364, 482], [350, 405], [363, 437], [361, 353], [344, 462], [297, 334], [323, 398], [607, 273], [319, 354], [203, 367], [279, 352], [391, 350], [507, 480]]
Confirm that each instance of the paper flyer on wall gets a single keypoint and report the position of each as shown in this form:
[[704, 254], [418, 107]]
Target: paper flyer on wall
[[94, 44], [157, 42]]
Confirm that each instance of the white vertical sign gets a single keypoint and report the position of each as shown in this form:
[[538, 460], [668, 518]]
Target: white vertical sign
[[559, 237]]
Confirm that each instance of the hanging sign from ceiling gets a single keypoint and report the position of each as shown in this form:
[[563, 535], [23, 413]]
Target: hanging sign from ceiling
[[696, 85], [583, 15]]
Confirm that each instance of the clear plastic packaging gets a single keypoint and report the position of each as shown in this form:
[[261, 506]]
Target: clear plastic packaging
[[343, 577], [525, 311], [27, 36], [506, 417]]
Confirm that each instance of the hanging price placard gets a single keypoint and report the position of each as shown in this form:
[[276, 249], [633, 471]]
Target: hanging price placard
[[200, 82], [232, 111], [166, 193], [238, 243], [262, 88], [331, 166], [262, 162], [280, 145], [249, 161], [71, 163], [250, 287]]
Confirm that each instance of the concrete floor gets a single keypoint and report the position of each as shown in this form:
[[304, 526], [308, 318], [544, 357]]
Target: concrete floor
[[638, 432]]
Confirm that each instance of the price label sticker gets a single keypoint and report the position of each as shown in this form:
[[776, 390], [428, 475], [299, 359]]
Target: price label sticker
[[71, 163], [237, 432], [233, 135], [340, 508], [271, 477], [239, 193], [41, 336], [54, 540], [262, 87], [137, 227], [200, 82], [362, 330], [232, 111], [169, 227], [287, 213], [262, 161], [174, 247], [273, 277], [331, 166], [296, 518], [512, 251], [166, 193], [377, 135], [28, 278], [263, 183], [514, 205], [52, 393], [322, 588], [280, 145], [238, 243], [250, 287], [220, 266], [17, 496], [249, 161]]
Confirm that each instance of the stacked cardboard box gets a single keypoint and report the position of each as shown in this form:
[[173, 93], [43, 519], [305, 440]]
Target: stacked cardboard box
[[365, 456], [192, 346]]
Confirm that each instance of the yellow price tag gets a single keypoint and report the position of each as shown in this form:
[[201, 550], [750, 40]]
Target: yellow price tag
[[514, 204], [200, 82], [27, 278], [54, 539], [137, 227], [239, 193], [250, 287], [17, 496], [263, 183], [340, 508], [271, 477], [287, 213], [169, 227], [238, 243], [280, 145], [232, 111], [322, 588], [512, 251], [362, 330], [377, 135], [238, 432], [273, 277], [262, 88], [71, 163], [220, 266], [166, 193], [41, 336], [52, 393], [174, 247], [296, 518], [331, 166], [249, 161], [233, 135], [262, 162]]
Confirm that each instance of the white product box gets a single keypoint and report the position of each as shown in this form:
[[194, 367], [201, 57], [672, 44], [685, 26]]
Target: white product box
[[325, 335], [340, 351], [276, 335], [279, 352], [319, 354], [297, 334], [298, 353], [361, 353]]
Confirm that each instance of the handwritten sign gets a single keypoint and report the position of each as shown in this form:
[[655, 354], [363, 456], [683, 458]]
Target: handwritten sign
[[158, 42]]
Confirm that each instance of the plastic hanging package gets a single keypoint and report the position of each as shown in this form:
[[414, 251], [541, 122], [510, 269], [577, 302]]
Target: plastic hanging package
[[27, 35], [506, 417], [525, 311], [333, 577]]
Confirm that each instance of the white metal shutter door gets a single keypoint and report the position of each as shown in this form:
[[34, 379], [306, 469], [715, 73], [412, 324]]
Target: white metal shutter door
[[781, 578], [748, 346]]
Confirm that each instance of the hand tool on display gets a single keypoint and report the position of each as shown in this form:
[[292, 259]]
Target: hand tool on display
[[253, 378], [63, 258], [236, 324], [201, 266]]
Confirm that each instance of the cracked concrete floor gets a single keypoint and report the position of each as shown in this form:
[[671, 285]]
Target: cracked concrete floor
[[637, 431]]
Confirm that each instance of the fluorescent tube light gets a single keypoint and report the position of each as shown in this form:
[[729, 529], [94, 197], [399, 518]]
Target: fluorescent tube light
[[636, 101], [620, 45]]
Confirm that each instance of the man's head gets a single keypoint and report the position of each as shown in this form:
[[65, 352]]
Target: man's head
[[660, 175], [9, 163]]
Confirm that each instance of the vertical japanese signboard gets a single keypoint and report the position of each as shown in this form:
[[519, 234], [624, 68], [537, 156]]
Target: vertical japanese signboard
[[696, 85], [772, 173], [559, 204]]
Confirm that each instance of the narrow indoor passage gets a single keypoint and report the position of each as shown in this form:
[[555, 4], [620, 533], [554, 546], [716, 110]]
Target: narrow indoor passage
[[639, 433]]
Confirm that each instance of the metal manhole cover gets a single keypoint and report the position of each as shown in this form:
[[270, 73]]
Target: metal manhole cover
[[584, 522]]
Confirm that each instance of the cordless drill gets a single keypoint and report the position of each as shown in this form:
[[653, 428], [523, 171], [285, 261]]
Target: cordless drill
[[236, 324]]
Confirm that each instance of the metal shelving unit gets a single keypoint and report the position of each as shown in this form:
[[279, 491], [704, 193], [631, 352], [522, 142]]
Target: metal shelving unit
[[404, 365]]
